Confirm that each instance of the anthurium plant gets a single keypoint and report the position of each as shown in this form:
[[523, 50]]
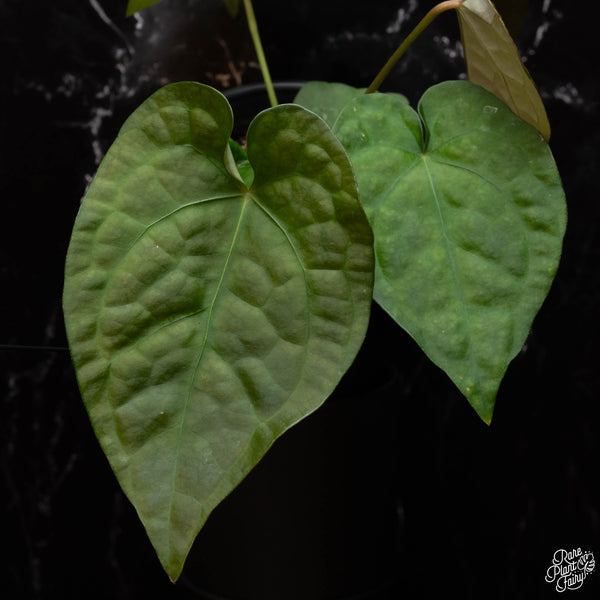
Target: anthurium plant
[[215, 295]]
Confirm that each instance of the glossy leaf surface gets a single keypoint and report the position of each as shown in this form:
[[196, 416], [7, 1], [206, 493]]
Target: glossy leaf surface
[[493, 62], [206, 318], [468, 215]]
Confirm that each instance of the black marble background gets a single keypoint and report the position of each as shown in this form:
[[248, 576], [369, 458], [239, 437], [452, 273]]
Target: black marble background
[[479, 511]]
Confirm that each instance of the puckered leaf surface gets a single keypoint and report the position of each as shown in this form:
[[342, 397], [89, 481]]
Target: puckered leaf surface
[[205, 317]]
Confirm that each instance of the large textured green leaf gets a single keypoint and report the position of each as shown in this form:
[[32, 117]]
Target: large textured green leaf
[[493, 62], [468, 219], [206, 318]]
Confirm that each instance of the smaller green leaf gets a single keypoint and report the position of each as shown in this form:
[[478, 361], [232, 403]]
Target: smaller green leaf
[[468, 215], [493, 62]]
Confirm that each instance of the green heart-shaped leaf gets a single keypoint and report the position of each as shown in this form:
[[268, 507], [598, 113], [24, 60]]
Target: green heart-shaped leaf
[[468, 221], [493, 62], [206, 318]]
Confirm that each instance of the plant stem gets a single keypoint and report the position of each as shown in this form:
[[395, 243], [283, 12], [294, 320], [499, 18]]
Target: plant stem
[[423, 24], [262, 61]]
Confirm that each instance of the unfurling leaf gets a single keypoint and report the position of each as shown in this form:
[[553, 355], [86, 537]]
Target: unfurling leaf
[[468, 215], [493, 62], [205, 317]]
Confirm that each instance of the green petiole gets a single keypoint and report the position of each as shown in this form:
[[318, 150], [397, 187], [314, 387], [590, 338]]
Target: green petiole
[[253, 28], [414, 34]]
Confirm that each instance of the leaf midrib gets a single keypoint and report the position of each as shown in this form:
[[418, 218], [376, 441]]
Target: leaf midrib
[[211, 307], [451, 255]]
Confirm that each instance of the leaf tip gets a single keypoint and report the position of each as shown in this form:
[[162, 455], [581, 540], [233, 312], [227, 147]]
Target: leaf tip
[[485, 413], [483, 406], [173, 577], [173, 568]]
